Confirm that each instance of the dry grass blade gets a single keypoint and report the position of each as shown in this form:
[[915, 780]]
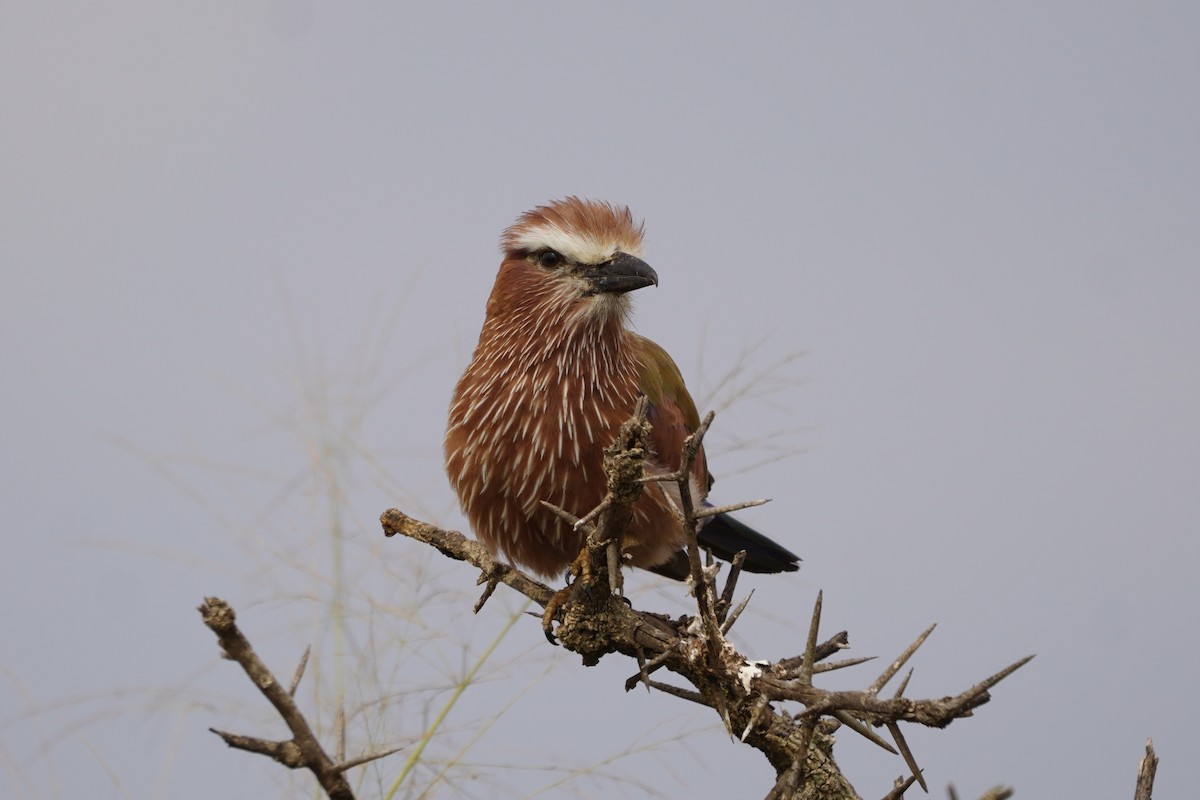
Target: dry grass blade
[[340, 734], [299, 674]]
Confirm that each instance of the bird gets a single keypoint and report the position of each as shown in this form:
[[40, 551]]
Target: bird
[[555, 373]]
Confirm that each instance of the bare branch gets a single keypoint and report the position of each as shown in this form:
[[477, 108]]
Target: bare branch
[[303, 750], [458, 547]]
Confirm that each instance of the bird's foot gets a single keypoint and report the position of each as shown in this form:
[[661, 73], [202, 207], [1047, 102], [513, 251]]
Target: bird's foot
[[553, 607], [578, 570]]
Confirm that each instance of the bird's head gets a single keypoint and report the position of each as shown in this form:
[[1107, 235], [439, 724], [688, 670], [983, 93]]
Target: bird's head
[[576, 259]]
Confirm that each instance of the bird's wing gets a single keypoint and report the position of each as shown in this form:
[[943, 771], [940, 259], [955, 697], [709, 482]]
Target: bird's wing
[[673, 415], [672, 412]]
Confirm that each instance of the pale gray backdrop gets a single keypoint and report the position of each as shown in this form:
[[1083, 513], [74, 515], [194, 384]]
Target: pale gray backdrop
[[245, 251]]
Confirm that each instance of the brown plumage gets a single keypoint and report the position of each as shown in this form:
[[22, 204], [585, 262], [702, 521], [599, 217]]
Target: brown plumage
[[554, 375]]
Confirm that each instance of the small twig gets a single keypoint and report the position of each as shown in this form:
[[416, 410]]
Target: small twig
[[592, 515], [686, 694], [563, 514], [715, 510], [900, 788], [735, 572], [645, 669], [286, 753], [845, 662], [900, 661], [702, 579], [492, 583], [737, 612], [834, 644], [368, 758]]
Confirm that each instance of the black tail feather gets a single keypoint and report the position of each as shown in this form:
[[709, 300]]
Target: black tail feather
[[726, 537]]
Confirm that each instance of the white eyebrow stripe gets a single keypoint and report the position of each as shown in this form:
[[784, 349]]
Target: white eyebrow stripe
[[580, 249]]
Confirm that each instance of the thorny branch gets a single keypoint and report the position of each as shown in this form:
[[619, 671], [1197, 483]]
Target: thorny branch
[[749, 696]]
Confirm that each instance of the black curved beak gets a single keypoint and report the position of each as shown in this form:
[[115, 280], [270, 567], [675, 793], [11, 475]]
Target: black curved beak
[[622, 273]]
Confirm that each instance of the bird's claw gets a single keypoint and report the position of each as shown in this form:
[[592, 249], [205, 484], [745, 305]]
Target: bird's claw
[[553, 606]]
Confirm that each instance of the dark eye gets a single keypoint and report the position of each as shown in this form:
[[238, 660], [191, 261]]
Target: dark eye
[[550, 259]]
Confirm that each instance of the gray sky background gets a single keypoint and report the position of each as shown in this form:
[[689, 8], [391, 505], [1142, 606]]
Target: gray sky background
[[245, 253]]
